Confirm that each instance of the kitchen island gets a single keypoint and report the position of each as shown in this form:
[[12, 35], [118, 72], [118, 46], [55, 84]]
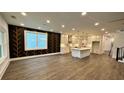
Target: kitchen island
[[80, 52]]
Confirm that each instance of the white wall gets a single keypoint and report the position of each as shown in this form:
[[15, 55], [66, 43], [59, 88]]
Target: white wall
[[5, 62], [107, 43], [118, 42]]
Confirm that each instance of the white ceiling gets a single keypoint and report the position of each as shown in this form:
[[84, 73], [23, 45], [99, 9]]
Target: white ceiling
[[111, 21]]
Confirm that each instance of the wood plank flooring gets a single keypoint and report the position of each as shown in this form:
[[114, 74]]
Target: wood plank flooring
[[65, 67]]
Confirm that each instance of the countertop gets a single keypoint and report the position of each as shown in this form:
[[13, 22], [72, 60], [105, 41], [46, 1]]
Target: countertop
[[85, 48]]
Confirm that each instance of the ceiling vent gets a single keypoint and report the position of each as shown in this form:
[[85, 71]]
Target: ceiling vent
[[122, 30], [13, 17]]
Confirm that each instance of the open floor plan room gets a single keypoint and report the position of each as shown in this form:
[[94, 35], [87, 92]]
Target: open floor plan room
[[65, 67], [62, 45]]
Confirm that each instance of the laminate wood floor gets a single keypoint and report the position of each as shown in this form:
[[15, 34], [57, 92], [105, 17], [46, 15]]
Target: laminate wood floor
[[64, 67]]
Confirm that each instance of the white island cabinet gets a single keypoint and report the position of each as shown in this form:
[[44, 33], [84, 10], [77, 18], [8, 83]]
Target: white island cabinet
[[80, 52]]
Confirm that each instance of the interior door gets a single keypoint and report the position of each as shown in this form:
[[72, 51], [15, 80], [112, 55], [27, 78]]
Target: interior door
[[95, 47]]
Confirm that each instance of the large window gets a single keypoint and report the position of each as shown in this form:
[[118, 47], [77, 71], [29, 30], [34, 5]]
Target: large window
[[31, 40], [1, 45], [35, 40]]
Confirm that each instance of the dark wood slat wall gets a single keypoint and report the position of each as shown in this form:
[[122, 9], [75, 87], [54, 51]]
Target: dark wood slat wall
[[16, 42]]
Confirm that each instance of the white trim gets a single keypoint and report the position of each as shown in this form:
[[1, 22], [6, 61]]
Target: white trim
[[44, 40], [3, 46], [28, 57], [121, 61], [25, 35], [5, 66], [2, 59]]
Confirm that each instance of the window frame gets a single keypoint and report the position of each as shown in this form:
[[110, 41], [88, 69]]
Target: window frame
[[4, 55], [25, 41], [2, 45], [46, 40]]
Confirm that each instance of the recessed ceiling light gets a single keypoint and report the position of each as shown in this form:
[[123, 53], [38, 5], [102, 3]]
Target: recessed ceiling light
[[22, 24], [83, 13], [23, 13], [102, 29], [73, 29], [106, 32], [48, 21], [39, 27], [96, 24], [63, 26]]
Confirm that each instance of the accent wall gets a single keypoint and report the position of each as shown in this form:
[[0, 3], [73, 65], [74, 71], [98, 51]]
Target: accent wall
[[17, 45]]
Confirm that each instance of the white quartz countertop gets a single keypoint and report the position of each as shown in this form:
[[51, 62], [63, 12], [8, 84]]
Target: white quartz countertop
[[81, 48]]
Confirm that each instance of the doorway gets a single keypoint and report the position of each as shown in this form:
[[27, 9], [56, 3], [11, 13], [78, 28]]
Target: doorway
[[95, 47]]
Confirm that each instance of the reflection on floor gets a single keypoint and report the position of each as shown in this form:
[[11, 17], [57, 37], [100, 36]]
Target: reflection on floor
[[58, 67]]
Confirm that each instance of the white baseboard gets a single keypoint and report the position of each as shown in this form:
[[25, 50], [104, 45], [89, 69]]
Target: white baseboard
[[4, 67], [28, 57], [122, 61]]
